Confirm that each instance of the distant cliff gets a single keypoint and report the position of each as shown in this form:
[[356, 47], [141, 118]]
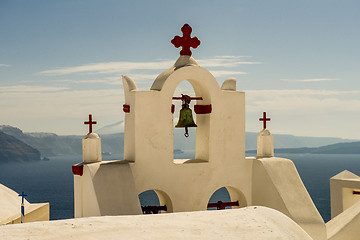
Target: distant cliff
[[14, 150], [291, 141], [50, 144], [188, 144], [338, 148]]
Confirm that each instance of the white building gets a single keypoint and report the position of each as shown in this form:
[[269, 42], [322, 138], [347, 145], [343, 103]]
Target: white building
[[10, 213]]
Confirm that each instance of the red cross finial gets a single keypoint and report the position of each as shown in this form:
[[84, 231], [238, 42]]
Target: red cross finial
[[90, 122], [186, 41], [264, 119]]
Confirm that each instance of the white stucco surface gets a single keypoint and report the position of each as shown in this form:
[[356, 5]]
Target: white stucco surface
[[186, 185], [277, 184], [345, 226], [229, 84], [91, 147], [246, 223], [106, 188], [181, 185], [265, 144]]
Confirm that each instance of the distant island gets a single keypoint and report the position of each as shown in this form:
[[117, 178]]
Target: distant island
[[178, 151], [338, 148]]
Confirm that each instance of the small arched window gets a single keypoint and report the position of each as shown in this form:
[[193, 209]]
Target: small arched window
[[155, 202]]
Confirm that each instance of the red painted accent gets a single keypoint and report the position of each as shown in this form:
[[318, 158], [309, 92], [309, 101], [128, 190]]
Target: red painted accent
[[90, 122], [78, 169], [264, 119], [186, 41], [222, 205], [126, 108], [202, 109], [172, 108]]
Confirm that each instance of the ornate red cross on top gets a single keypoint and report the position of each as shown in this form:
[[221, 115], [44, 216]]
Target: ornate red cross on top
[[264, 119], [186, 41], [90, 122]]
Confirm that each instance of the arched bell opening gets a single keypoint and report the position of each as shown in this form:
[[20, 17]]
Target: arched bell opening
[[155, 202], [226, 198], [184, 147], [194, 146]]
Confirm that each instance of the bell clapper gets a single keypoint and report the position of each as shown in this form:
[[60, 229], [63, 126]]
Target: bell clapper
[[186, 132]]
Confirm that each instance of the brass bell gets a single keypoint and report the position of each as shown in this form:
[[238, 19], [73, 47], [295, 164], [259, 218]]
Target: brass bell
[[185, 119]]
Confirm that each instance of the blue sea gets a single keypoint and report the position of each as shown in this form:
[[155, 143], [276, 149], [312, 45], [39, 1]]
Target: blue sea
[[52, 181]]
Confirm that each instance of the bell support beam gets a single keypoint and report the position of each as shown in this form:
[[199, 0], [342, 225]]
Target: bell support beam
[[199, 109], [192, 98], [153, 209], [222, 205]]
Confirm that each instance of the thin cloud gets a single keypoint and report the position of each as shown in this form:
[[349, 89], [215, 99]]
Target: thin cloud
[[305, 112], [142, 77], [300, 92], [107, 80], [111, 80], [109, 68], [226, 73], [311, 80], [306, 102], [129, 67], [233, 57], [61, 110], [223, 62], [30, 89], [138, 77], [4, 65], [61, 102]]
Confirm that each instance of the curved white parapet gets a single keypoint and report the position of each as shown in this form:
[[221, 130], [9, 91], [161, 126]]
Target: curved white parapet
[[345, 226], [277, 184], [246, 223], [129, 84], [105, 188], [229, 84]]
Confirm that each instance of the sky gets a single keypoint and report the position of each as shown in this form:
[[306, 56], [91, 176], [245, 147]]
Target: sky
[[296, 60]]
